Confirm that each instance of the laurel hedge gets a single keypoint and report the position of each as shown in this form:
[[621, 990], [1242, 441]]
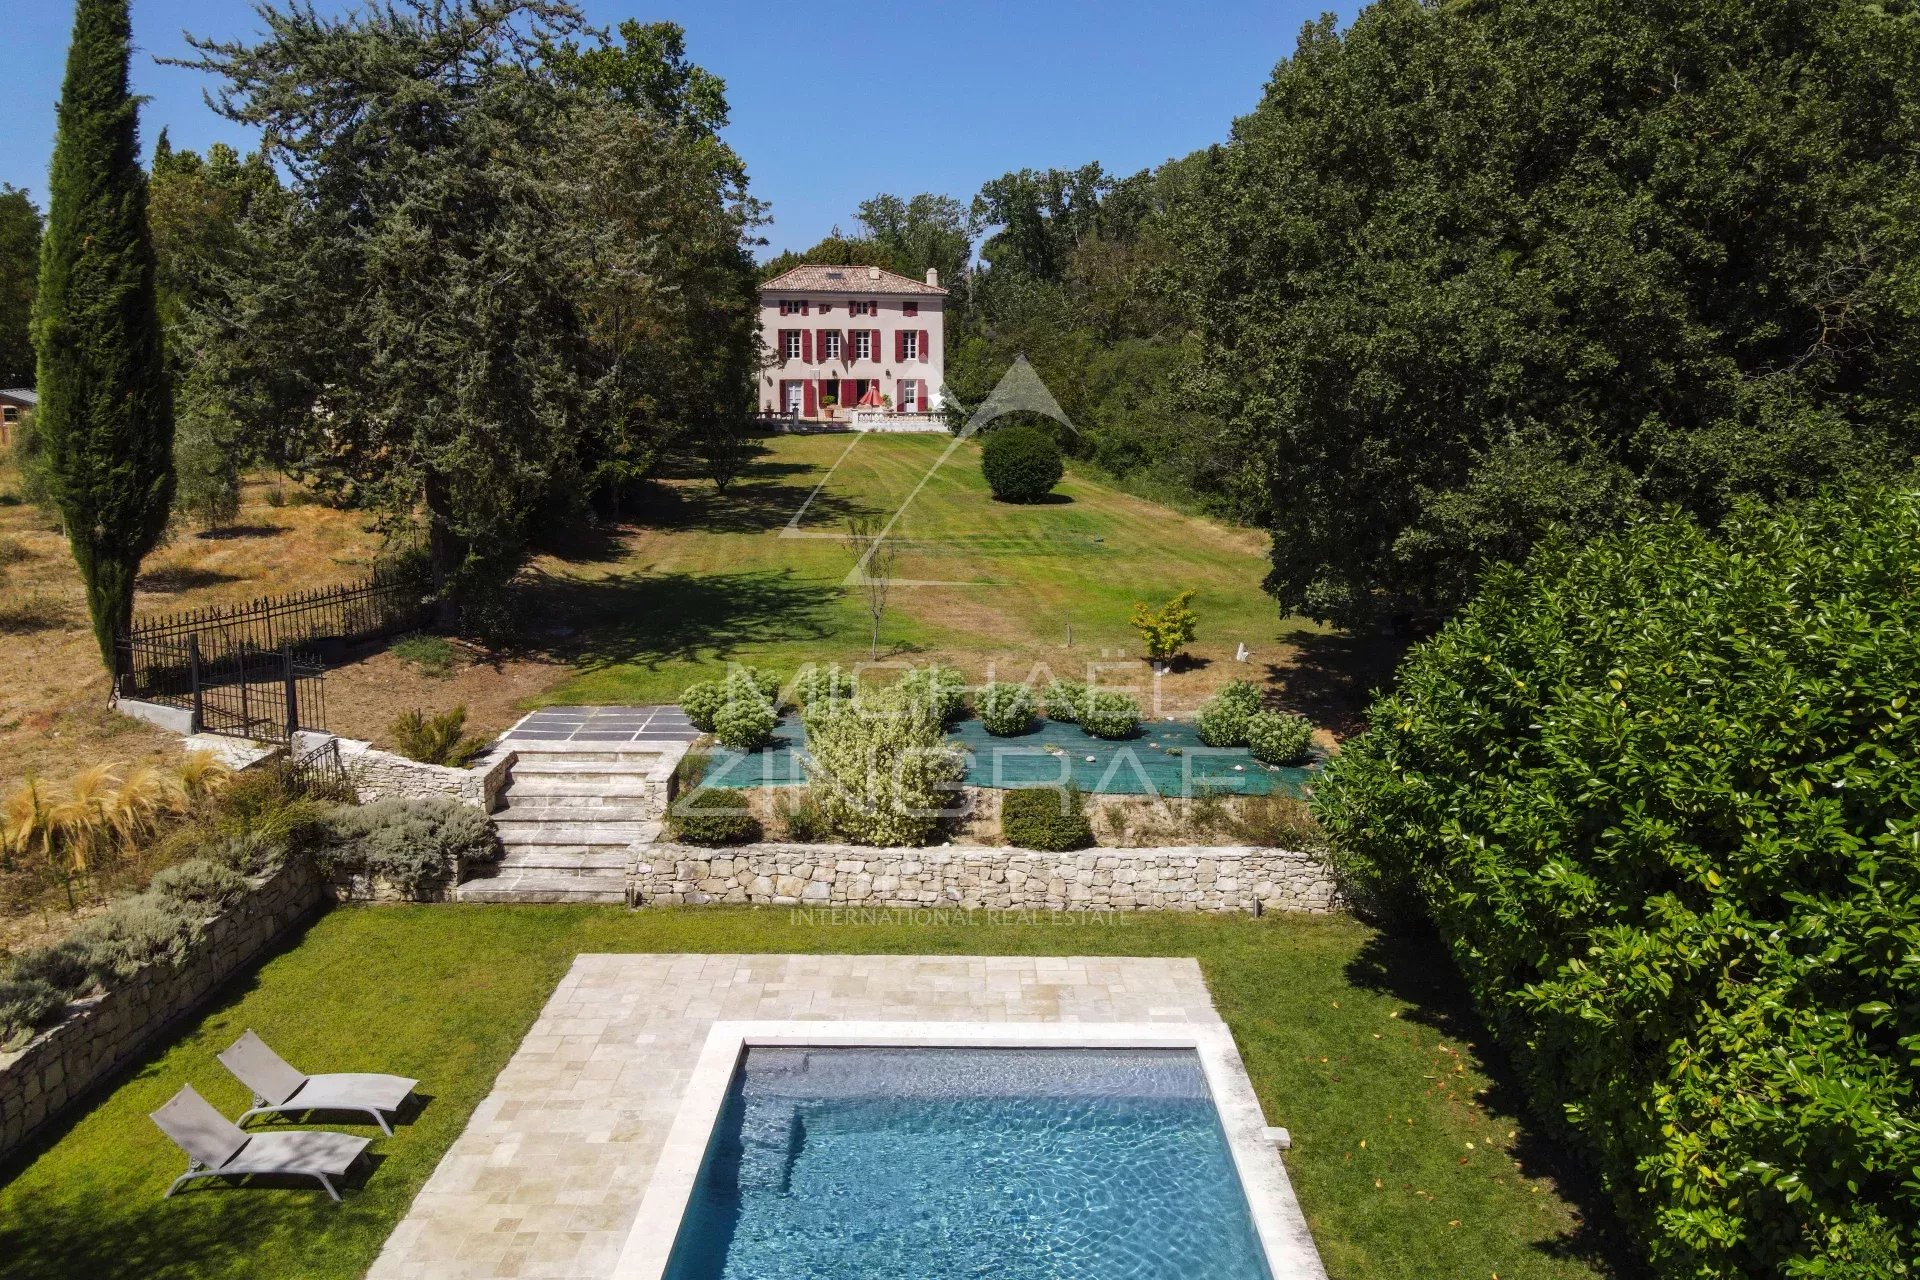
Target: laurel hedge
[[1660, 795]]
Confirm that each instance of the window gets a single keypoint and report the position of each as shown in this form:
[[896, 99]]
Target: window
[[862, 344], [9, 415], [830, 344], [909, 308], [910, 345], [910, 395], [793, 308], [790, 343], [864, 308]]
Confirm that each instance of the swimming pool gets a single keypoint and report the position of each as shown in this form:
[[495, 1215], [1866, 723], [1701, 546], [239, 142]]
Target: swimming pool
[[940, 1163]]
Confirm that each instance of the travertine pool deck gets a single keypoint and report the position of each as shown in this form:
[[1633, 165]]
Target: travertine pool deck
[[546, 1179]]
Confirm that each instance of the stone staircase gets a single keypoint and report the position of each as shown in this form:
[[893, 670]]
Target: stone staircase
[[573, 816]]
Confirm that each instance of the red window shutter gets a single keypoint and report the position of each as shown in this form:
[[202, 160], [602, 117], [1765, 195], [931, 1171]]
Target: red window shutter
[[811, 408], [899, 345], [923, 394], [847, 396], [804, 307], [926, 351], [820, 343], [806, 346]]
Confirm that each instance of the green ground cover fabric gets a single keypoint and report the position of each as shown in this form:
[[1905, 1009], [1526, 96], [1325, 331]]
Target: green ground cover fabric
[[1166, 758]]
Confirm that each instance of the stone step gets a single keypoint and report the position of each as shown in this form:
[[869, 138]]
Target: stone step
[[578, 835], [565, 768], [555, 826], [546, 886], [577, 861], [531, 752], [566, 785]]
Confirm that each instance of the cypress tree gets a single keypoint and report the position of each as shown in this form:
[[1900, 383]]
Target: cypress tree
[[105, 413]]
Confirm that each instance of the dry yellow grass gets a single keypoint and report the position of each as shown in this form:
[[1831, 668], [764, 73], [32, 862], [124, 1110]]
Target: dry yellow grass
[[53, 713]]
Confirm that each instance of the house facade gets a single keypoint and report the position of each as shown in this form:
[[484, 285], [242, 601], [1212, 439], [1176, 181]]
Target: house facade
[[847, 340]]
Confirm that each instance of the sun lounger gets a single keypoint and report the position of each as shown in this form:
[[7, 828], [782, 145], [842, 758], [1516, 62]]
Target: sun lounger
[[218, 1148], [279, 1087]]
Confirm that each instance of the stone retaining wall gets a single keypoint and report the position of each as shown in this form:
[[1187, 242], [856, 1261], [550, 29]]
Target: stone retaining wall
[[99, 1034], [382, 775], [1197, 878]]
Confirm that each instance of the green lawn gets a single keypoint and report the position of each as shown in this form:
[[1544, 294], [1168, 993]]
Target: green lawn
[[702, 579], [1407, 1155]]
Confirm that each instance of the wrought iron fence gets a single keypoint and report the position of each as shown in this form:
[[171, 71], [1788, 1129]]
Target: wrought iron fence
[[381, 605], [318, 774], [257, 670], [241, 692]]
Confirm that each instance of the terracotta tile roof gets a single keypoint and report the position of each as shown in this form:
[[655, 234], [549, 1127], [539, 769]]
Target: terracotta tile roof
[[812, 278]]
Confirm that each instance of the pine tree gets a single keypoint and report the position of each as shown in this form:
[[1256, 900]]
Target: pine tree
[[106, 411]]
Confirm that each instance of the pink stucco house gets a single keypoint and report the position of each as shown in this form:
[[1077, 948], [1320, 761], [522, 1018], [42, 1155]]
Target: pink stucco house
[[847, 338]]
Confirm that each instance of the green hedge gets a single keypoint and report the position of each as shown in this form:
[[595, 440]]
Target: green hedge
[[1660, 797], [1051, 819]]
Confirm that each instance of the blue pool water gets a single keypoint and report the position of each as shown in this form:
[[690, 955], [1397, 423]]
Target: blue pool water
[[937, 1164]]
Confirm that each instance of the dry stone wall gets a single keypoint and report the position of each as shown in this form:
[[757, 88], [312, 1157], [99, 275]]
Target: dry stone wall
[[104, 1032], [1197, 878]]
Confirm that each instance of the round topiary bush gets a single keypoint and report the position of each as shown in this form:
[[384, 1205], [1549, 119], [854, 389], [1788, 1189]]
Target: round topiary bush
[[1004, 709], [822, 684], [1065, 700], [1223, 719], [745, 724], [941, 690], [1021, 464], [1050, 819], [702, 702], [1110, 714], [1279, 738]]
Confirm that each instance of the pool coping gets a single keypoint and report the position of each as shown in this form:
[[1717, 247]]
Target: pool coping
[[1277, 1218]]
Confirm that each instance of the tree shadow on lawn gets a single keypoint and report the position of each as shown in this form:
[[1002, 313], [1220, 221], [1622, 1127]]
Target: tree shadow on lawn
[[125, 1228], [750, 505], [1414, 966], [1331, 678], [654, 618]]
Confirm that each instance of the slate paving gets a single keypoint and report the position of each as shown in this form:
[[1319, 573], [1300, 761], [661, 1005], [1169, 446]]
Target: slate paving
[[548, 1175], [642, 725]]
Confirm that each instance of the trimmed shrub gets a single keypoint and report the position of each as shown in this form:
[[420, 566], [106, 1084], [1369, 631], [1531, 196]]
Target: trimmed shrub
[[1276, 737], [746, 718], [1657, 795], [1065, 700], [1021, 464], [440, 739], [414, 844], [802, 817], [713, 816], [135, 932], [1052, 819], [941, 689], [822, 684], [1223, 718], [202, 883], [702, 702], [1004, 709], [746, 724], [26, 1005], [1109, 713], [880, 769]]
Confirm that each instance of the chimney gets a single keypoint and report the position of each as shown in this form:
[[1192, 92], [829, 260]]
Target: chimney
[[873, 273], [933, 276]]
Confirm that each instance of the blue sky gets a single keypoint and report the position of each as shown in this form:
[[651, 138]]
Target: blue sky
[[927, 96]]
